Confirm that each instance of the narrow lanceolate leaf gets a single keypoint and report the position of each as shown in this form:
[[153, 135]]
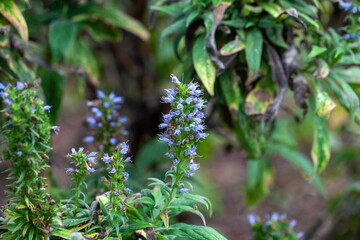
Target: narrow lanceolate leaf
[[253, 49], [11, 12], [316, 51], [320, 151], [185, 231], [324, 104], [203, 65], [232, 47]]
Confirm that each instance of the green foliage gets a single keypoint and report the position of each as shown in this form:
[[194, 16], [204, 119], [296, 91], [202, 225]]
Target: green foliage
[[286, 48], [31, 211]]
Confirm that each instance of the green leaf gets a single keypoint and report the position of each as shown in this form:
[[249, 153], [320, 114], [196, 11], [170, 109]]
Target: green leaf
[[230, 91], [232, 47], [53, 86], [216, 2], [253, 49], [324, 104], [62, 233], [173, 10], [10, 11], [85, 59], [320, 151], [299, 161], [74, 222], [118, 18], [176, 210], [176, 27], [100, 31], [185, 231], [203, 65], [134, 227], [258, 178], [316, 51], [62, 35], [272, 8], [275, 35]]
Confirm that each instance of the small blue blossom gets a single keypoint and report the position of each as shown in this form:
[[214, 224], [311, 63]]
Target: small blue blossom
[[251, 219], [7, 102], [174, 79], [76, 235], [275, 217], [122, 120], [126, 175], [106, 159], [354, 10], [180, 106], [2, 87], [346, 36], [292, 223], [345, 5], [127, 190], [163, 125], [113, 171], [124, 148], [113, 141], [300, 235], [70, 170], [183, 190], [56, 129], [127, 160], [19, 153], [100, 94], [47, 108], [88, 139], [192, 168], [106, 104], [20, 85]]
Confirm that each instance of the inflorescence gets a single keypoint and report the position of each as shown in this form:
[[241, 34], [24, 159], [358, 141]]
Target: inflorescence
[[105, 121], [184, 128], [274, 226], [352, 34]]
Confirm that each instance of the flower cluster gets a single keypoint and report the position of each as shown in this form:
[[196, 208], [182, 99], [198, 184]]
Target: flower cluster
[[117, 176], [354, 17], [274, 226], [83, 165], [25, 113], [105, 121], [184, 128]]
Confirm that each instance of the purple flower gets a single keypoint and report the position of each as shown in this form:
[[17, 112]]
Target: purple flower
[[167, 117], [163, 125], [166, 140], [70, 170], [127, 190], [275, 217], [91, 121], [2, 87], [88, 139], [7, 102], [126, 175], [19, 85], [345, 5], [127, 160], [292, 223], [113, 171], [118, 100], [174, 79], [56, 129], [300, 235], [354, 10], [251, 219], [192, 168], [347, 36], [180, 106], [183, 190], [106, 159], [19, 153], [124, 148], [122, 120], [113, 141], [47, 107], [106, 104], [100, 94]]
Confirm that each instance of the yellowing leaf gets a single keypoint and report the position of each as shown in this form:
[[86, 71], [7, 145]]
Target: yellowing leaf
[[11, 12], [324, 104], [203, 65], [320, 151]]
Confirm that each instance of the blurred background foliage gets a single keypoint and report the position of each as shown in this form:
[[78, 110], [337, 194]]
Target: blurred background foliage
[[282, 80]]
